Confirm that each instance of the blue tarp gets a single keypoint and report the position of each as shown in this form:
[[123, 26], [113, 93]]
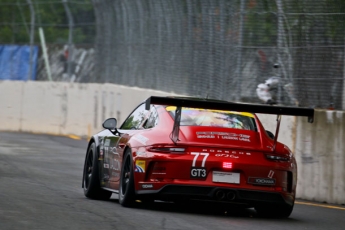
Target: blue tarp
[[15, 62]]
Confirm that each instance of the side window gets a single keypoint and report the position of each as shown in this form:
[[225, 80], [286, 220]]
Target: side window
[[136, 119], [153, 119]]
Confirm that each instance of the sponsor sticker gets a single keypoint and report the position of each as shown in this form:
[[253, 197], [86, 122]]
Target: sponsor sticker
[[105, 177], [140, 166], [115, 174], [226, 155], [141, 151], [224, 135], [261, 181], [206, 136], [140, 138], [107, 142], [146, 186]]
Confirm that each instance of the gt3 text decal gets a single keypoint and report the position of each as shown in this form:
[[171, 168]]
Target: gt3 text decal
[[140, 166], [198, 172]]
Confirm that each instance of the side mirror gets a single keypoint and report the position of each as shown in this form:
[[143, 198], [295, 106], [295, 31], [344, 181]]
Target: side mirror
[[270, 134], [110, 124]]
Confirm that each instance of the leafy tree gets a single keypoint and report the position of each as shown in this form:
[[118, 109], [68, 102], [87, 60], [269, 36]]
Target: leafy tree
[[15, 18]]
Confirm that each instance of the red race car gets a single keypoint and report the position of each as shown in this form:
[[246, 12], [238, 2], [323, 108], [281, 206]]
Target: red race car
[[180, 149]]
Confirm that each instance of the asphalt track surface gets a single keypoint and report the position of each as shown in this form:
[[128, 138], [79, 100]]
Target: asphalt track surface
[[40, 188]]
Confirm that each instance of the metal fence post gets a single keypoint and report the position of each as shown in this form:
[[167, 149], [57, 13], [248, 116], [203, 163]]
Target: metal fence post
[[239, 53], [32, 34], [343, 97], [70, 38], [279, 48]]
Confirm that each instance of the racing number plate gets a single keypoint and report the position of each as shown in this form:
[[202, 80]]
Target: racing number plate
[[198, 172], [226, 177]]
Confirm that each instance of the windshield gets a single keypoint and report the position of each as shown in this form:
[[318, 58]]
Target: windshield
[[215, 118]]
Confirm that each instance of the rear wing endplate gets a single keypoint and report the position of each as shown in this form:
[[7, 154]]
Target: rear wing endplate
[[180, 102]]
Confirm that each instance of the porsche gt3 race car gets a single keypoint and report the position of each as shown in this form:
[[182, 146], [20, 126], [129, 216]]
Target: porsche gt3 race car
[[180, 149]]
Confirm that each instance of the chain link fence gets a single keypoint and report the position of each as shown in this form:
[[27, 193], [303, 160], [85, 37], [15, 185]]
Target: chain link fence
[[222, 49], [225, 49]]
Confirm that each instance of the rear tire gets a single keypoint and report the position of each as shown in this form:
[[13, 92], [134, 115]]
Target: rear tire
[[126, 190], [91, 183], [275, 211]]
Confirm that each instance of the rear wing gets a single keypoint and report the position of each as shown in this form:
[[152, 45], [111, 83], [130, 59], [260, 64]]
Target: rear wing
[[180, 102]]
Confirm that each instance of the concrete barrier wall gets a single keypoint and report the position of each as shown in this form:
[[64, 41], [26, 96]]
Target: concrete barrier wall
[[321, 157], [65, 108], [80, 109]]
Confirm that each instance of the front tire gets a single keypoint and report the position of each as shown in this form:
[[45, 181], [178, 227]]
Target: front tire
[[91, 183], [126, 190]]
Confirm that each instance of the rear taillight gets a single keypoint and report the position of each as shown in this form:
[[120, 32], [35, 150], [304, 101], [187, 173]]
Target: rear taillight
[[227, 165], [275, 157], [167, 149]]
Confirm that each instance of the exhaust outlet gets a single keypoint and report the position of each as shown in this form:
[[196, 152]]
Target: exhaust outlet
[[230, 195], [220, 195]]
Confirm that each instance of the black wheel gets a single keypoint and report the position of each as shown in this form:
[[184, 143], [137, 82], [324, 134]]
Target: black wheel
[[275, 211], [126, 190], [91, 183]]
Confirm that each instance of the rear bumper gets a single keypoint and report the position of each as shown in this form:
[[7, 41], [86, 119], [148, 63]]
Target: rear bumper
[[217, 194]]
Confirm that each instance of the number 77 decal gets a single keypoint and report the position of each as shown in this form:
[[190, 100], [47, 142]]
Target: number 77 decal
[[196, 155]]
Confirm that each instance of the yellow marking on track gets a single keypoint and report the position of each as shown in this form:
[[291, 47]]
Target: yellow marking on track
[[320, 205], [74, 137]]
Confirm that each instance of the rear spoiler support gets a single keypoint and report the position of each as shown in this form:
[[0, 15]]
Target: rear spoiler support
[[279, 118], [180, 102], [176, 129]]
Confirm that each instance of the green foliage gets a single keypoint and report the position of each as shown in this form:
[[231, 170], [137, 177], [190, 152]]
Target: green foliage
[[259, 19], [336, 26], [15, 21], [260, 23]]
